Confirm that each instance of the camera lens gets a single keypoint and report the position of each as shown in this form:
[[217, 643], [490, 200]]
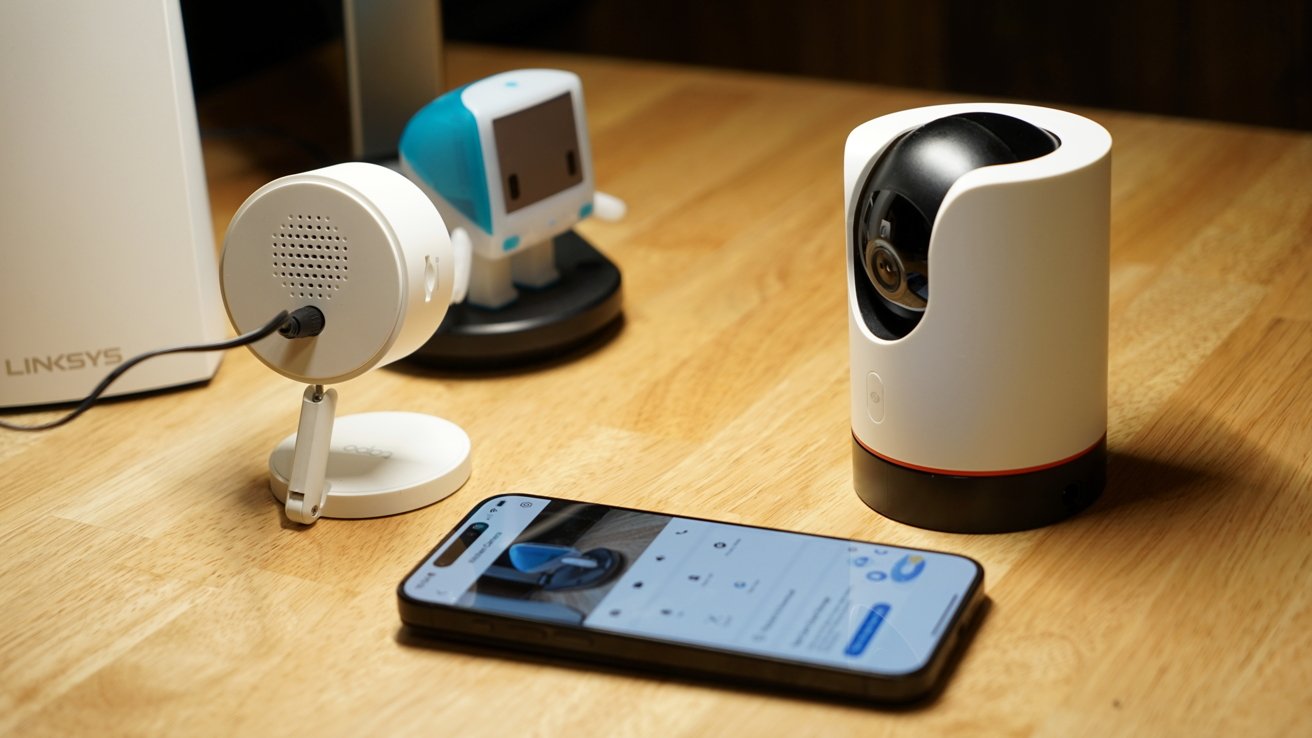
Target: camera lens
[[887, 272], [884, 268], [472, 533], [901, 284], [461, 544]]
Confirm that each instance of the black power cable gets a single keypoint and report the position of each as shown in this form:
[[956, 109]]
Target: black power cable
[[242, 340]]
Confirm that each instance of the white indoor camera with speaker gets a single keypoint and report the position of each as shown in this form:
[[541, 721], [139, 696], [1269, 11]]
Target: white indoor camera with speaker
[[977, 272], [361, 260]]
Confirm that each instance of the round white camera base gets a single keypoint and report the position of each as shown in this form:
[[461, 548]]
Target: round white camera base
[[383, 463]]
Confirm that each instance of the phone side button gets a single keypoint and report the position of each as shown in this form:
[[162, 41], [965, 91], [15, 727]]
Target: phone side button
[[526, 632], [570, 639]]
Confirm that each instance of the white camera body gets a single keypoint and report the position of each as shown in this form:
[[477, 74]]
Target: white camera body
[[980, 406], [365, 250], [359, 242]]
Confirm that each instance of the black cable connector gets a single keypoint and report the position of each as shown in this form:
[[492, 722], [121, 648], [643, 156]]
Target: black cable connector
[[246, 338], [305, 322]]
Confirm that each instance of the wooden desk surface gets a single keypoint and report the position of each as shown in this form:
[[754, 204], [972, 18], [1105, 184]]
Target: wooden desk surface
[[150, 585]]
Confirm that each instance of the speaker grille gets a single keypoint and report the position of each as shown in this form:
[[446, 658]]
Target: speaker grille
[[310, 256]]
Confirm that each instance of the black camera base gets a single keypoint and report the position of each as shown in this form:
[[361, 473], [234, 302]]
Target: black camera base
[[979, 504]]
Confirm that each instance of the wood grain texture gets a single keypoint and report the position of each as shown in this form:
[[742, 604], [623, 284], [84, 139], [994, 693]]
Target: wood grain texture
[[150, 585]]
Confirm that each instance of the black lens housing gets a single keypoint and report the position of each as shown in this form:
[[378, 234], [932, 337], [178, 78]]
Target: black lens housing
[[900, 199]]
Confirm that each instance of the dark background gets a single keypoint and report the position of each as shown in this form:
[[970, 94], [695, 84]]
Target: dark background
[[1246, 62]]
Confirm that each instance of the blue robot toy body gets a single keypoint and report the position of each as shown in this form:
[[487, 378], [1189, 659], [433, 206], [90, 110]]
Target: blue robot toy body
[[507, 162]]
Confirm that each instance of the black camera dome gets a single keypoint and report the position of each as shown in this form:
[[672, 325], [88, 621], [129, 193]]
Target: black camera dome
[[900, 200]]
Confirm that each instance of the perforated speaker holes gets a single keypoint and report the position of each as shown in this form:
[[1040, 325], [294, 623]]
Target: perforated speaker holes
[[310, 257]]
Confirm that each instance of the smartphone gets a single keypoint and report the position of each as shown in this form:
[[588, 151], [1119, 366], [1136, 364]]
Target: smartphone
[[698, 598]]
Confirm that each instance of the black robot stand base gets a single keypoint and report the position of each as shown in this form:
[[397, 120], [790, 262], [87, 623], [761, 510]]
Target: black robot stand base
[[583, 305]]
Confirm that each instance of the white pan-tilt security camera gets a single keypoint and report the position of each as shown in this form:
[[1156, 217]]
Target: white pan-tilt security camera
[[977, 274], [361, 261]]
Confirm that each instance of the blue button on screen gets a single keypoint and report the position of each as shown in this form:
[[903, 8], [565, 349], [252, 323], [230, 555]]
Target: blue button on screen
[[866, 632]]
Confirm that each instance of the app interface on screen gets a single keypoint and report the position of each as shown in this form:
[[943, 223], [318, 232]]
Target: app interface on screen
[[784, 595]]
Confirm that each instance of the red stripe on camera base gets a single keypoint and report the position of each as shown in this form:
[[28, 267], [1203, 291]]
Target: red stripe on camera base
[[955, 473]]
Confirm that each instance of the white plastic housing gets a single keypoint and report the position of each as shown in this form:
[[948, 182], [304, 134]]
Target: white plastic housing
[[358, 241], [1007, 369], [108, 249]]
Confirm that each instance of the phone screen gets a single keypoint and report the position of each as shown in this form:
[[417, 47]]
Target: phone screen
[[788, 596]]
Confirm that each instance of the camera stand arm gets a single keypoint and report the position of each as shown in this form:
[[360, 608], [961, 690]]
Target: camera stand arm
[[308, 485]]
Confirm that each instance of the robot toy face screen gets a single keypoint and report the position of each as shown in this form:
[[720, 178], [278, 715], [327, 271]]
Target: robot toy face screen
[[538, 149]]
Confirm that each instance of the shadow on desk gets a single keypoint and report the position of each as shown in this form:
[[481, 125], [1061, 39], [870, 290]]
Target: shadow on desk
[[1191, 458], [573, 352]]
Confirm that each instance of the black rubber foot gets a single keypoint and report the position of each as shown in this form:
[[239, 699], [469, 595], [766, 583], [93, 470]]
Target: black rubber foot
[[957, 504], [541, 324]]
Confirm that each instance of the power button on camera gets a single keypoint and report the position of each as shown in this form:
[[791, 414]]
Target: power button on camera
[[875, 397]]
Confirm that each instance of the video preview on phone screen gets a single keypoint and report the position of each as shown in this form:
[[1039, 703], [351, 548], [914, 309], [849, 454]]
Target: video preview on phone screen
[[783, 595]]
